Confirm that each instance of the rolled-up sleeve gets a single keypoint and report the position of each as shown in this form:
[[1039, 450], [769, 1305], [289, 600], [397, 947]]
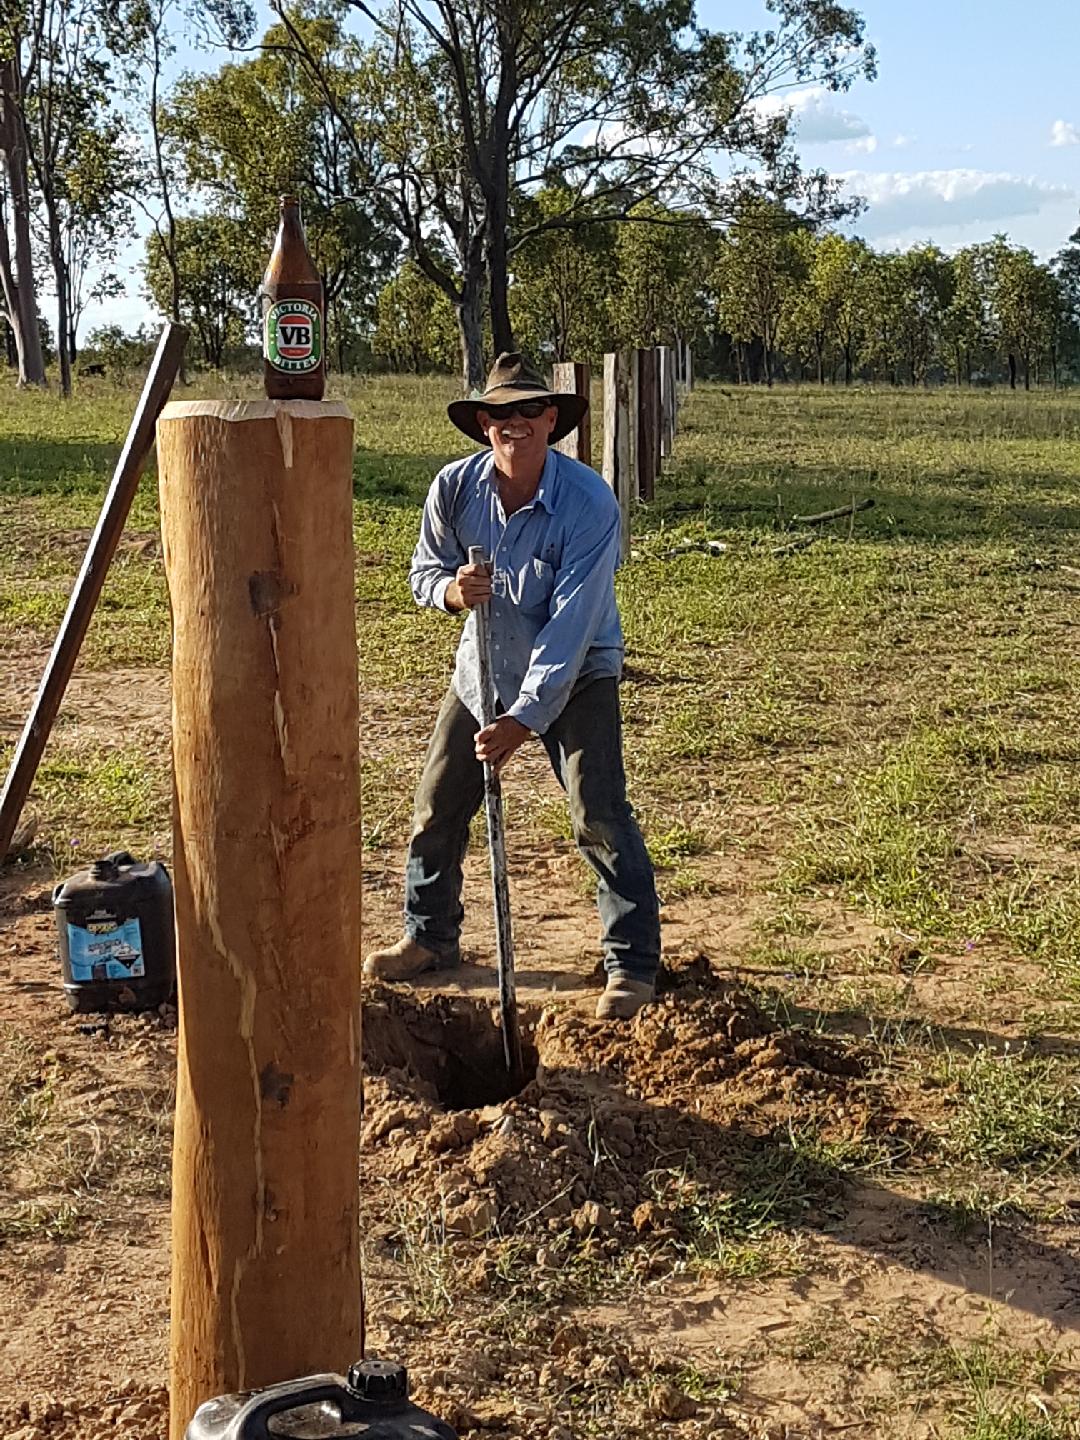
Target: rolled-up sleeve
[[579, 603], [438, 554]]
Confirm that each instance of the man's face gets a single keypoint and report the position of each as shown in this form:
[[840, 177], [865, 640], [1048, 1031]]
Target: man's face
[[519, 442]]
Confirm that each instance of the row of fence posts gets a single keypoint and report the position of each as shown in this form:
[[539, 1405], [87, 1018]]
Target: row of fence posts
[[642, 393]]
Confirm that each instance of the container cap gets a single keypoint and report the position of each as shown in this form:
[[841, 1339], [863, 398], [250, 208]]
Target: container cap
[[378, 1380]]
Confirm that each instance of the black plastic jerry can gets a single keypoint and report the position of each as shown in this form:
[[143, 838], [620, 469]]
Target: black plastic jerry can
[[115, 926], [371, 1402]]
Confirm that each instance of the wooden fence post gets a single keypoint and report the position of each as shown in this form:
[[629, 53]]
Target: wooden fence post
[[648, 439], [572, 378], [667, 400], [256, 511], [618, 471], [688, 362]]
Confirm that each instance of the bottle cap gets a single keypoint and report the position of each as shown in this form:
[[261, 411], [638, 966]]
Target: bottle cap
[[378, 1380]]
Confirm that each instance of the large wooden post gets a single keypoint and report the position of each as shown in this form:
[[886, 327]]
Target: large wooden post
[[256, 511], [618, 471], [573, 378]]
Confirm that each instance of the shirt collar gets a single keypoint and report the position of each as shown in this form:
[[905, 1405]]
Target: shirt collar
[[545, 491]]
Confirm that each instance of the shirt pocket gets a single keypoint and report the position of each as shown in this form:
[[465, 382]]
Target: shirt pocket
[[536, 581]]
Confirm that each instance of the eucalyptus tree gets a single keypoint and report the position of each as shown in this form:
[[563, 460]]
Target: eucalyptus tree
[[21, 27], [926, 285], [414, 323], [661, 285], [219, 262], [259, 128], [466, 102], [564, 282], [758, 275], [76, 154]]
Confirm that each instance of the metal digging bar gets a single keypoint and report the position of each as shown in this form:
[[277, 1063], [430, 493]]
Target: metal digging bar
[[504, 936]]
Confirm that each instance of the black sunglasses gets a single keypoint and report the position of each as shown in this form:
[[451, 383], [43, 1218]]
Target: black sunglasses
[[527, 409]]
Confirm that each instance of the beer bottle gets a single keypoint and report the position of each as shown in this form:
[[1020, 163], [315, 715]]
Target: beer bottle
[[294, 332]]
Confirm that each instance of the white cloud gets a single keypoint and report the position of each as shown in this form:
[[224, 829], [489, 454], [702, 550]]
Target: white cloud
[[1064, 133], [901, 142], [817, 120], [867, 145], [926, 201]]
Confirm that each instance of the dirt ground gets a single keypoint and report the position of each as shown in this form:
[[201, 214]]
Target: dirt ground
[[633, 1244]]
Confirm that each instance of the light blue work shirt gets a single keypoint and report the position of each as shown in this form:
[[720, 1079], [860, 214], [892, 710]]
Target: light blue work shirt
[[553, 614]]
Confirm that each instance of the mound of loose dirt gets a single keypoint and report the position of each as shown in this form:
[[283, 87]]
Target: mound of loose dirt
[[607, 1114]]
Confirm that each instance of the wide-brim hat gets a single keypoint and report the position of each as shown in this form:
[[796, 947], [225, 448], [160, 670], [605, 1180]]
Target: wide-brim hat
[[513, 378]]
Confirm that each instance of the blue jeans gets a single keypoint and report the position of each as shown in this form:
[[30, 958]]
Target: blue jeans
[[584, 746]]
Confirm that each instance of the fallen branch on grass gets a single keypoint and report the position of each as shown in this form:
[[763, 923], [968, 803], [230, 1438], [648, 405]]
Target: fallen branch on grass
[[803, 543], [841, 514], [691, 547]]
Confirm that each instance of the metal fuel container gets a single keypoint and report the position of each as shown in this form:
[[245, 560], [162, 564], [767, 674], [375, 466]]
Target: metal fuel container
[[370, 1403], [115, 927]]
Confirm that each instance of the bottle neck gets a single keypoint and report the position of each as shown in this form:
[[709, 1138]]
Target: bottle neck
[[290, 223]]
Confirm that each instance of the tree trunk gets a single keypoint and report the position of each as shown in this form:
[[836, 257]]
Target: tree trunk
[[1012, 371], [847, 364], [819, 346], [470, 310], [12, 328], [13, 143], [59, 268], [502, 334]]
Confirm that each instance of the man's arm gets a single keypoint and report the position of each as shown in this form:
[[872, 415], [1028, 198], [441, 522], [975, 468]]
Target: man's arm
[[437, 576], [438, 555]]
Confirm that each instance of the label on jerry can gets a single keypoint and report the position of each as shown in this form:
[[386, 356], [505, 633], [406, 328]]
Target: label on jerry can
[[292, 337], [106, 949]]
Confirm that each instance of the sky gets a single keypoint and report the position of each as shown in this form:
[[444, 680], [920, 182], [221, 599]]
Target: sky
[[971, 128]]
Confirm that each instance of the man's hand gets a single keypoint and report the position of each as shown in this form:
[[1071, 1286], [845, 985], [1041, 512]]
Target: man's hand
[[498, 742], [469, 588]]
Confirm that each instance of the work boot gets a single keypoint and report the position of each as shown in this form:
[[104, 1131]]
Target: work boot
[[623, 998], [404, 961]]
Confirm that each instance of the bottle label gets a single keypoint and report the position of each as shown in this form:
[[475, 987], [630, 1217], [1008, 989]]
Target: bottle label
[[106, 950], [292, 337]]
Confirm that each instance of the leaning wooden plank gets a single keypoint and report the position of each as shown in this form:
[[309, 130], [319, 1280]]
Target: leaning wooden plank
[[88, 586]]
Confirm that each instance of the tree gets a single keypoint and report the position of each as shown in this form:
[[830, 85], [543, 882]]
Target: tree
[[759, 270], [882, 294], [466, 102], [563, 284], [75, 153], [259, 129], [1024, 301], [219, 263], [966, 325], [828, 317], [926, 284], [661, 289], [415, 324], [20, 294], [1066, 268]]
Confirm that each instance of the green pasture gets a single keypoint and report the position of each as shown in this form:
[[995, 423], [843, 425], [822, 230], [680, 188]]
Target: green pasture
[[867, 746]]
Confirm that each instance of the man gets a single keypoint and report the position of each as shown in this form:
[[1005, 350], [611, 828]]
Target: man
[[552, 530]]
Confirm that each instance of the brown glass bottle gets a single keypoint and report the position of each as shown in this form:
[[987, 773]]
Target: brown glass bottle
[[294, 328]]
